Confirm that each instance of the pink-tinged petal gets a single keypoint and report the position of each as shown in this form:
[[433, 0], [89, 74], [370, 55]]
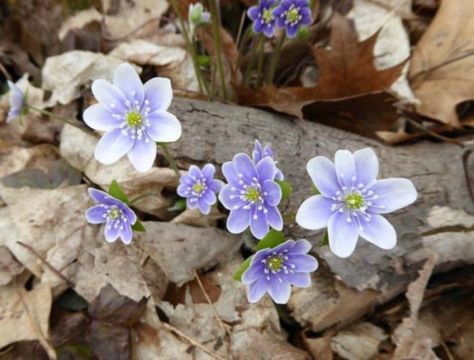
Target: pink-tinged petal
[[343, 235], [112, 230], [209, 197], [256, 290], [298, 279], [164, 127], [228, 198], [113, 146], [266, 169], [238, 221], [245, 167], [98, 118], [366, 165], [345, 168], [126, 234], [230, 174], [379, 232], [259, 224], [303, 262], [127, 80], [274, 218], [204, 207], [159, 93], [272, 193], [391, 195], [314, 213], [95, 215], [208, 171], [143, 155], [323, 173], [110, 96], [279, 292]]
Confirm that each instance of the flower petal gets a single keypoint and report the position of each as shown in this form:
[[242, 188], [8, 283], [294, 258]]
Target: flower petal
[[314, 213], [143, 155], [266, 169], [279, 292], [238, 221], [256, 290], [302, 279], [95, 215], [259, 224], [323, 173], [253, 12], [204, 206], [215, 185], [272, 192], [342, 235], [99, 196], [110, 96], [98, 118], [274, 218], [228, 198], [126, 234], [345, 168], [127, 80], [379, 232], [302, 246], [367, 166], [392, 194], [230, 174], [209, 197], [112, 232], [208, 171], [303, 262], [244, 166], [159, 93], [291, 30], [112, 146], [254, 272], [164, 127]]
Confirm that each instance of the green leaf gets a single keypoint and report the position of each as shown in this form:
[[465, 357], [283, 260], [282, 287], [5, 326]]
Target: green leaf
[[272, 239], [245, 265], [286, 189], [138, 226], [325, 240], [179, 205], [315, 190], [203, 60], [116, 191]]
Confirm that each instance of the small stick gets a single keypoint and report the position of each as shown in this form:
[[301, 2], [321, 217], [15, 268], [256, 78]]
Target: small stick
[[43, 260], [192, 341]]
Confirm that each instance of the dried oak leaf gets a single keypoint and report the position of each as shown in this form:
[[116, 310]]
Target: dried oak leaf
[[347, 73], [441, 66]]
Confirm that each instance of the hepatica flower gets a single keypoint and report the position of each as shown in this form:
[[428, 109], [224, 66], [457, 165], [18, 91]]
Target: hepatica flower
[[133, 116], [199, 188], [275, 270], [197, 16], [352, 201], [291, 14], [251, 195], [261, 152], [116, 215], [17, 102], [263, 18]]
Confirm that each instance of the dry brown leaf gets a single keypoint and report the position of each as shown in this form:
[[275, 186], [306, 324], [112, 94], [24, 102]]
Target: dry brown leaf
[[9, 266], [194, 217], [441, 66]]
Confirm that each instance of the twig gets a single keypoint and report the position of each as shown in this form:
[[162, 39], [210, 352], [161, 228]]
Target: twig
[[432, 133], [44, 261], [191, 341], [170, 159], [221, 324]]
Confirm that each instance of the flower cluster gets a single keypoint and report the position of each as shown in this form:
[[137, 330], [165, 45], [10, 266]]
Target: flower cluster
[[286, 14]]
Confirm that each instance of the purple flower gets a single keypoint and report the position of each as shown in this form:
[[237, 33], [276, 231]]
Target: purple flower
[[352, 201], [116, 215], [261, 152], [291, 14], [251, 195], [133, 117], [263, 18], [199, 188], [275, 270], [17, 102], [197, 16]]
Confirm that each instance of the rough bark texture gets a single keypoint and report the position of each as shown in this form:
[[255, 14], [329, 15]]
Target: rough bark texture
[[441, 220]]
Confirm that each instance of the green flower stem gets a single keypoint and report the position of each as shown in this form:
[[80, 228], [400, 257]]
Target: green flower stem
[[74, 123], [261, 56], [170, 159], [252, 55], [145, 195], [275, 59], [218, 43]]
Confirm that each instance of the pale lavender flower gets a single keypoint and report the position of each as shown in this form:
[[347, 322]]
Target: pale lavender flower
[[261, 152], [352, 201], [17, 102], [116, 215], [291, 14], [197, 16], [263, 18], [275, 270], [251, 195], [199, 188], [133, 116]]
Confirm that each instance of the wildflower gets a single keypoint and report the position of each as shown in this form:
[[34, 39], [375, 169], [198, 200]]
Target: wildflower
[[17, 102], [133, 117], [197, 16], [291, 14], [352, 201], [274, 270], [116, 215], [251, 195], [261, 152], [263, 18], [199, 188]]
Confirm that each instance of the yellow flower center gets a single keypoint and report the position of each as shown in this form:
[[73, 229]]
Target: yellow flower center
[[198, 188], [134, 119], [267, 15], [354, 201], [292, 15], [252, 195], [275, 262], [114, 213]]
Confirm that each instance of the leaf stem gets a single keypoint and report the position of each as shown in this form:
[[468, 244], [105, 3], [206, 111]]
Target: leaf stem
[[170, 159], [275, 59], [218, 43], [74, 123]]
